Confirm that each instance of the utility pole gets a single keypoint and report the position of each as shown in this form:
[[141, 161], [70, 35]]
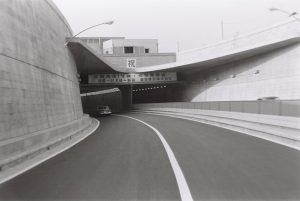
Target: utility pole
[[222, 29], [293, 14]]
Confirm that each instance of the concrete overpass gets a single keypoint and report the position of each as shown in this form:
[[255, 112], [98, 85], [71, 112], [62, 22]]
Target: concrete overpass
[[229, 70], [216, 142]]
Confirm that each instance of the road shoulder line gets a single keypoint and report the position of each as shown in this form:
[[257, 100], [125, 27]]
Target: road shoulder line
[[184, 190]]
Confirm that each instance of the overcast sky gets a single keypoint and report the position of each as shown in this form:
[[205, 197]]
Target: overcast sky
[[189, 23]]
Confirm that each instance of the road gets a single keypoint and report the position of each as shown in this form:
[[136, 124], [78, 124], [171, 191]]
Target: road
[[126, 160]]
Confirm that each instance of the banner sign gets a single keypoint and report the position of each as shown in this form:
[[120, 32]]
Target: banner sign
[[133, 78]]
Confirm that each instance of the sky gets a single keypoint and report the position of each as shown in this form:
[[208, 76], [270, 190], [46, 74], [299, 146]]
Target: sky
[[178, 24]]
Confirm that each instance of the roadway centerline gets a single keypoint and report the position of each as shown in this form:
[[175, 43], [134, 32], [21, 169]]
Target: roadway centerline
[[183, 187]]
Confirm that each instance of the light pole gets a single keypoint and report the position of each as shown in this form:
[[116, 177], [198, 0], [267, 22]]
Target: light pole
[[108, 23], [293, 14], [222, 30]]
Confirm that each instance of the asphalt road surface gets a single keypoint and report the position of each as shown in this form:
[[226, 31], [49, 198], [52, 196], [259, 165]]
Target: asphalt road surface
[[126, 160]]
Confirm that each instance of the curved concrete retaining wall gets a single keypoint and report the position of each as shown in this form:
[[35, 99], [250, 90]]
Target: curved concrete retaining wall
[[18, 150], [279, 129], [268, 107], [38, 85]]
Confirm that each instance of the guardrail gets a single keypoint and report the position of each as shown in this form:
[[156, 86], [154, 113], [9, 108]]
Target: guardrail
[[267, 107]]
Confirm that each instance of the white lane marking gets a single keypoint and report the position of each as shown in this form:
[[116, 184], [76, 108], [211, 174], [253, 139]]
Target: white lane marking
[[15, 171], [184, 190]]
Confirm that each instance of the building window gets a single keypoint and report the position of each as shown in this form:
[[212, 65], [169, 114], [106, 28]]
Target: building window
[[147, 50], [128, 50]]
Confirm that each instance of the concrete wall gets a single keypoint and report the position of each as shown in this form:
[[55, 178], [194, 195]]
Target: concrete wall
[[279, 129], [152, 44], [276, 73], [92, 42], [96, 43], [120, 50], [142, 59], [38, 85], [267, 107], [108, 47]]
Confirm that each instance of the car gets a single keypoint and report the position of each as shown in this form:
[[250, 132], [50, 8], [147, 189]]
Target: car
[[269, 98], [103, 110]]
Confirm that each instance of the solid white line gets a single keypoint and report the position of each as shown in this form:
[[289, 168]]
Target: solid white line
[[34, 164], [184, 190]]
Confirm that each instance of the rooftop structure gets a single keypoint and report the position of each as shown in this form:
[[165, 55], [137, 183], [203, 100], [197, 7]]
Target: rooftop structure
[[130, 46], [96, 43], [128, 53]]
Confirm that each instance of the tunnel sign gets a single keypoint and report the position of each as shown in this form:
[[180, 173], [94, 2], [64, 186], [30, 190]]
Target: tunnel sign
[[133, 78]]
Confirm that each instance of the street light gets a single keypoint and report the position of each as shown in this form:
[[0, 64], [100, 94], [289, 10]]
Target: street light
[[108, 23], [293, 14]]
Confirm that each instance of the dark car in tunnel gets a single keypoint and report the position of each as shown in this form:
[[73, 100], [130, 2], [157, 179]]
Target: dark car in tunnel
[[103, 110]]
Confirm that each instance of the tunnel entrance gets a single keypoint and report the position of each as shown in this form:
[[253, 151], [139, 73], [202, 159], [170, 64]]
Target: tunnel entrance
[[125, 95], [154, 93]]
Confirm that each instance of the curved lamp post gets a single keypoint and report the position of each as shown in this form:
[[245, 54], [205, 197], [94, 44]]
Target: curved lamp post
[[108, 23], [293, 14]]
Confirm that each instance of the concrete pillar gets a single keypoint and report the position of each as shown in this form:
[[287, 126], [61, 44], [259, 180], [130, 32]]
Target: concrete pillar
[[126, 91]]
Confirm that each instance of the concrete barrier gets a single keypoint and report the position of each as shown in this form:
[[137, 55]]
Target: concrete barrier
[[279, 129], [17, 150], [268, 107]]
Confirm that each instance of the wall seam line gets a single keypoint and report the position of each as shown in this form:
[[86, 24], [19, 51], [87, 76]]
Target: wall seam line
[[36, 66]]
